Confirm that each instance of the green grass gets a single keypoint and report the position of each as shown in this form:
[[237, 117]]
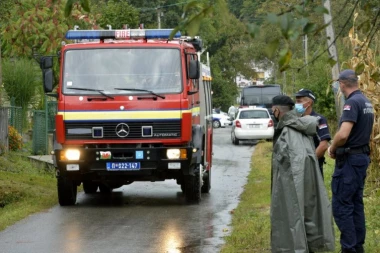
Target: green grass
[[251, 221], [24, 188]]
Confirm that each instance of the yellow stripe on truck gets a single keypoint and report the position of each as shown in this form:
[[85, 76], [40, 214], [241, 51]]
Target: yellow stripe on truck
[[122, 115]]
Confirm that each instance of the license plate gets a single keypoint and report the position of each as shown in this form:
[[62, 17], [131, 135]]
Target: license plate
[[254, 126], [112, 166], [174, 165], [72, 167]]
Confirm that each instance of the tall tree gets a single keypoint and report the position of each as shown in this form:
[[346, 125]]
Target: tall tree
[[116, 13], [5, 6], [35, 27]]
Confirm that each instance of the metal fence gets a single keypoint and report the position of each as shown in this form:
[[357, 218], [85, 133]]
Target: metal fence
[[9, 116], [15, 118], [42, 126], [39, 133]]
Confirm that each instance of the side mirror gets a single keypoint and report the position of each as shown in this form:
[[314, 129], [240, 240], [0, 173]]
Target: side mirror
[[46, 62], [194, 70], [48, 79]]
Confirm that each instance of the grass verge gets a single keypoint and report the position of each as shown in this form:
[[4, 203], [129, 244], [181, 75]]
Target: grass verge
[[251, 221], [24, 188]]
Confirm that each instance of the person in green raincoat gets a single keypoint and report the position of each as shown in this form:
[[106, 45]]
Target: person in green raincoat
[[301, 215]]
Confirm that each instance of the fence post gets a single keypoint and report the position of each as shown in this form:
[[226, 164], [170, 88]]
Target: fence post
[[4, 128], [46, 124]]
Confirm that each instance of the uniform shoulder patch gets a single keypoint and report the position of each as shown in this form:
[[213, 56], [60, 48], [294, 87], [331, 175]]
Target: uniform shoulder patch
[[321, 126], [347, 107]]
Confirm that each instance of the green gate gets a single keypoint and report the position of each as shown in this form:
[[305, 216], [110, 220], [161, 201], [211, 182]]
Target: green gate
[[39, 133], [43, 126]]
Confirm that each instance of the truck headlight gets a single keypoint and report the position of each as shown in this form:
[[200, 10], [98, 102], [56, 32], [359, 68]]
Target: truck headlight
[[72, 154], [176, 153]]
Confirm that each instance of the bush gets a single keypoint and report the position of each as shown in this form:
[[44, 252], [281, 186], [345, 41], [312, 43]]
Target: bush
[[15, 139]]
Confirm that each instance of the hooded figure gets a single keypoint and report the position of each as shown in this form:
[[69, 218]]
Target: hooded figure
[[301, 216]]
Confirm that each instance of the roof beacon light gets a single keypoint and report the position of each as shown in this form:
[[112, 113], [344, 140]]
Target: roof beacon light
[[121, 34]]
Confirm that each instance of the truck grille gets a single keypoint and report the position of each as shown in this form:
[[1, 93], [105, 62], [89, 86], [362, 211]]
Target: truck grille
[[160, 130]]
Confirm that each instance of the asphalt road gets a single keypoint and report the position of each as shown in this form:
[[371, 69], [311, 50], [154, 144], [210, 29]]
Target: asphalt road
[[141, 217]]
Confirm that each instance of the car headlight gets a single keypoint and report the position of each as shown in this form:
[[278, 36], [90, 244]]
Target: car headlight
[[176, 153], [72, 154]]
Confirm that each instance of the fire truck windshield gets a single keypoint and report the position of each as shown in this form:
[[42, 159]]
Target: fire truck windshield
[[127, 69]]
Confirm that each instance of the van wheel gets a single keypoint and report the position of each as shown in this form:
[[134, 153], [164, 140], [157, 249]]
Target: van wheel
[[216, 124], [67, 191]]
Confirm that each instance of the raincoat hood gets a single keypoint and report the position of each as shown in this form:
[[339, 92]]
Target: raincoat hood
[[306, 124]]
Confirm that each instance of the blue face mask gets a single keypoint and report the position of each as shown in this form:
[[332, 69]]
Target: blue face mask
[[299, 108]]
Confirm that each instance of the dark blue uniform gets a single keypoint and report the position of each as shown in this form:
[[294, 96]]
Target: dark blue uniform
[[352, 162], [323, 134]]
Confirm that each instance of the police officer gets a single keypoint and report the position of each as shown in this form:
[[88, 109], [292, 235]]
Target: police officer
[[350, 149], [304, 106]]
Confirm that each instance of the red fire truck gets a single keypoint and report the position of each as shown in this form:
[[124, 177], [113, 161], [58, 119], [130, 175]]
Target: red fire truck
[[133, 105]]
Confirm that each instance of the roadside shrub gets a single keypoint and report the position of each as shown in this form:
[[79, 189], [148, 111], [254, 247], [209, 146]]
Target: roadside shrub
[[9, 195], [15, 139], [3, 149]]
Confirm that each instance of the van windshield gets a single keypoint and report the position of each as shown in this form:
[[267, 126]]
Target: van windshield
[[156, 69], [259, 95]]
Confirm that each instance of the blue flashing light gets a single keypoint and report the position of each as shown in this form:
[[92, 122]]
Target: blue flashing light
[[160, 34], [121, 34], [90, 34]]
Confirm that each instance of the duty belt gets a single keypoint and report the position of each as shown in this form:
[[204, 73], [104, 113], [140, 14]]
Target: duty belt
[[353, 150]]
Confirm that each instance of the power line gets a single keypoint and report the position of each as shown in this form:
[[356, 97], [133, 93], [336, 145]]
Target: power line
[[335, 39], [162, 6]]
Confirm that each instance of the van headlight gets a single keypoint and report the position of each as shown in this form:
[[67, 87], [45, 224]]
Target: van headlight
[[72, 154]]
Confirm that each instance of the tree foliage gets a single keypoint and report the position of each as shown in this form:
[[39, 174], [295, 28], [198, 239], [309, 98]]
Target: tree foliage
[[117, 14], [35, 27]]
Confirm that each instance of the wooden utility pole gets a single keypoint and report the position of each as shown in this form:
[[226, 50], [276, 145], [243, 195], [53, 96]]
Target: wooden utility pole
[[339, 98], [158, 17], [1, 77]]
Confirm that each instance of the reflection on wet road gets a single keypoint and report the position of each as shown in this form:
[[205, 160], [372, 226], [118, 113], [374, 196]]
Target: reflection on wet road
[[141, 217]]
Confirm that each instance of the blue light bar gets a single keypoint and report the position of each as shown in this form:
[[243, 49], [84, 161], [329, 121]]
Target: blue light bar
[[90, 34], [121, 34], [160, 34]]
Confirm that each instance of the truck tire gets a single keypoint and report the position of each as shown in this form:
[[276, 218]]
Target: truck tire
[[67, 191], [206, 182], [192, 185], [89, 187], [104, 188]]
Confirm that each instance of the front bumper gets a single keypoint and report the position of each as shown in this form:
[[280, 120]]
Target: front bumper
[[153, 164]]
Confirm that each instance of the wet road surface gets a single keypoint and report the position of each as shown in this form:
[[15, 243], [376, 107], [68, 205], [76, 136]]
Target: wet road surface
[[141, 217]]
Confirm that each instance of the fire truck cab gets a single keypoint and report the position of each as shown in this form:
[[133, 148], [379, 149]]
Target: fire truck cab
[[133, 105]]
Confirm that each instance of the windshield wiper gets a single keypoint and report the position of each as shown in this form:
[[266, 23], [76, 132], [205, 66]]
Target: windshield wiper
[[87, 89], [149, 91]]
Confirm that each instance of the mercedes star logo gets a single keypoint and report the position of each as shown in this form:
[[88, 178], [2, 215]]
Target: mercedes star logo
[[122, 130]]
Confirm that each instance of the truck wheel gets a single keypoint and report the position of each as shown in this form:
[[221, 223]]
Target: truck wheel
[[216, 124], [67, 191], [104, 188], [89, 187], [192, 185], [206, 182]]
